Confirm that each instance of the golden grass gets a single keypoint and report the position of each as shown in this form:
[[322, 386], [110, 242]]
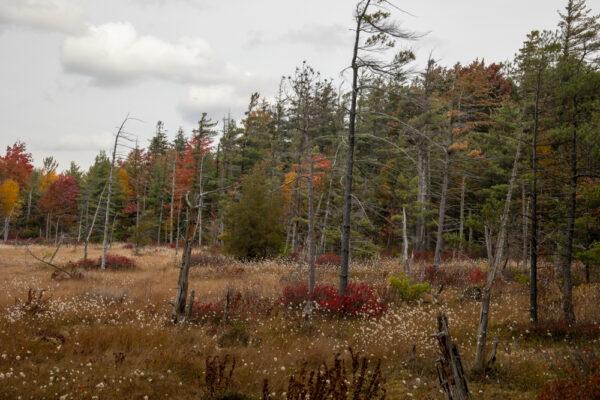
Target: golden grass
[[108, 335]]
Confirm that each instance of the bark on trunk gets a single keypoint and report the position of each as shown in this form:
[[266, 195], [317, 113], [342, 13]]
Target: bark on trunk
[[461, 228], [347, 207], [311, 227], [184, 271], [568, 310], [405, 243]]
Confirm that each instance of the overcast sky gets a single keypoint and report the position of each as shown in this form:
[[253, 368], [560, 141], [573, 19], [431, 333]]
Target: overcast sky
[[70, 70]]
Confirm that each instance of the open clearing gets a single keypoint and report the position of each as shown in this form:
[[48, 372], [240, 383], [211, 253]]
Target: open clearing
[[109, 334]]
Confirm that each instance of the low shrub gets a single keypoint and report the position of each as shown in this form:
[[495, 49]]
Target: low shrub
[[235, 335], [438, 276], [476, 276], [328, 259], [581, 378], [360, 299], [83, 264], [210, 311], [522, 279], [234, 305], [114, 262], [118, 262], [403, 288], [578, 388]]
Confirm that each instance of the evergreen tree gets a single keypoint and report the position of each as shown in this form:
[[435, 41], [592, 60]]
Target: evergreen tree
[[254, 223]]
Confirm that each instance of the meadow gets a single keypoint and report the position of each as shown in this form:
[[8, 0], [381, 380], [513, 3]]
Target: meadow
[[109, 335]]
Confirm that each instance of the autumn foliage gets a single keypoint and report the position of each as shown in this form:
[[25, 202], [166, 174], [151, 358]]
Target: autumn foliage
[[360, 299]]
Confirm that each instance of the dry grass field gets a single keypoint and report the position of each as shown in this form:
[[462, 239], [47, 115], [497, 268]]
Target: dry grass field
[[109, 336]]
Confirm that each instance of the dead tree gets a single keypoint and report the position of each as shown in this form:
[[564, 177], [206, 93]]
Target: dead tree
[[450, 371], [372, 20], [89, 233], [120, 134], [405, 243], [184, 269], [495, 263]]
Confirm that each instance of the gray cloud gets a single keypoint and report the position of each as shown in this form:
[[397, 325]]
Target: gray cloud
[[114, 53], [49, 15]]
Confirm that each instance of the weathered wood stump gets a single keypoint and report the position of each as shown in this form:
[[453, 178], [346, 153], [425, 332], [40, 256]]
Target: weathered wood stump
[[450, 371]]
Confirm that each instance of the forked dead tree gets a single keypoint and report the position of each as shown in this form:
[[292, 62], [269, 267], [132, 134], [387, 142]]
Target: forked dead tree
[[109, 186]]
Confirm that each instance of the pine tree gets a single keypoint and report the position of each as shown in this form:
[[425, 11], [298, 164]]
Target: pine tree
[[254, 223]]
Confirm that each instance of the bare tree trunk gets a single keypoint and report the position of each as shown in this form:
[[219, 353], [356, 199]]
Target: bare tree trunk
[[108, 194], [184, 271], [172, 210], [421, 196], [525, 211], [328, 202], [311, 226], [461, 228], [347, 206], [497, 259], [487, 231], [178, 227], [533, 246], [160, 221], [405, 243], [6, 226], [56, 231], [568, 310], [81, 216], [439, 239], [89, 233]]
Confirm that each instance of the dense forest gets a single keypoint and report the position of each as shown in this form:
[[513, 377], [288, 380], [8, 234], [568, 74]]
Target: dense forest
[[407, 162]]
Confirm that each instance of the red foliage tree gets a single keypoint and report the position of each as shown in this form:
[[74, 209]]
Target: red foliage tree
[[60, 199], [16, 164]]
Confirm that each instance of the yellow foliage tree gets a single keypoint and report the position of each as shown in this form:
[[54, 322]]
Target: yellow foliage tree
[[47, 179], [9, 198], [9, 195]]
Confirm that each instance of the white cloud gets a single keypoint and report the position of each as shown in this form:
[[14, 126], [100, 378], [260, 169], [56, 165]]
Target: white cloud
[[50, 15], [114, 53], [215, 100]]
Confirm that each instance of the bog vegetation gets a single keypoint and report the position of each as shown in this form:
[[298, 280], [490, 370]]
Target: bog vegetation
[[306, 250]]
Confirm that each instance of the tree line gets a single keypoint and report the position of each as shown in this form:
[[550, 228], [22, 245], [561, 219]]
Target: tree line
[[404, 163]]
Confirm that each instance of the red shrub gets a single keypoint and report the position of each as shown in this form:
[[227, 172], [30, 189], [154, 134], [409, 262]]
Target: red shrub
[[476, 276], [207, 311], [328, 259], [118, 262], [578, 388], [360, 299], [112, 262]]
